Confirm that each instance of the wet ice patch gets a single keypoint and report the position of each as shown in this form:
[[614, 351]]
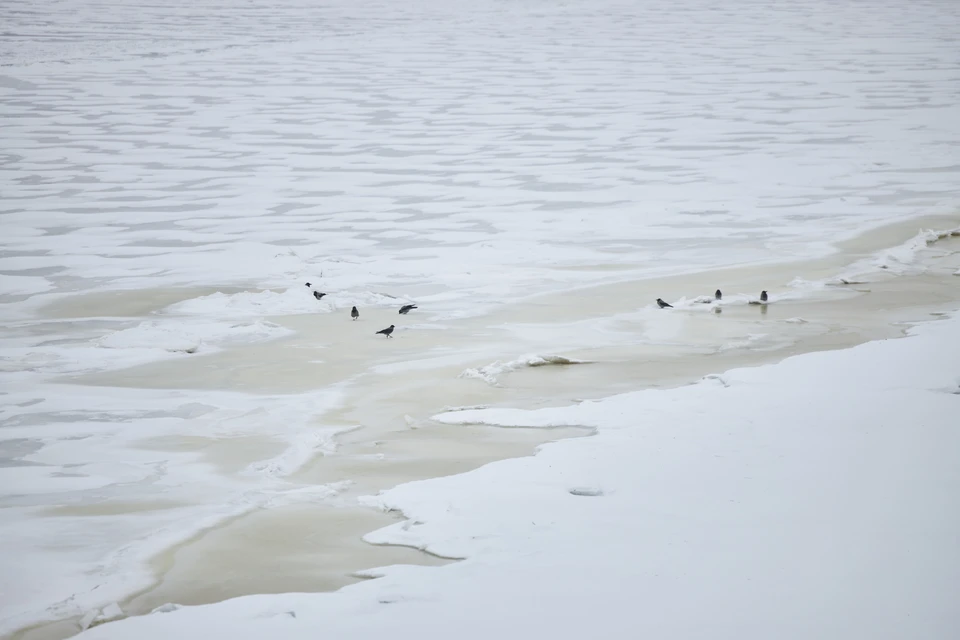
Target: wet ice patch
[[492, 372], [755, 342]]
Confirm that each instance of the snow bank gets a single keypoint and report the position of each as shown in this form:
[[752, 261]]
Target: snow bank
[[905, 255], [901, 259], [814, 497], [491, 373]]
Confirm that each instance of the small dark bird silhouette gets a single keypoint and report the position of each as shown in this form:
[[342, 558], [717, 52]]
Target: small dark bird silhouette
[[405, 309], [763, 296], [663, 305], [386, 331], [308, 284], [318, 295], [354, 313], [718, 295]]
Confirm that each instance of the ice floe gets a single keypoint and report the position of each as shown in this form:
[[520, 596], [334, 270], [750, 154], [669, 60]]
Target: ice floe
[[491, 373]]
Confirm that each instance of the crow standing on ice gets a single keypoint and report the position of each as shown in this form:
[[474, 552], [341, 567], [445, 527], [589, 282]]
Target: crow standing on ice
[[354, 313], [386, 331], [405, 309], [663, 305], [763, 296], [718, 295], [318, 295]]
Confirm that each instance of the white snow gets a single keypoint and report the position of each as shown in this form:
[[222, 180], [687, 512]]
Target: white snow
[[731, 510], [188, 337], [461, 156]]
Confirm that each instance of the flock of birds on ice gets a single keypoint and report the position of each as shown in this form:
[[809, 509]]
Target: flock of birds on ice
[[354, 313], [407, 308]]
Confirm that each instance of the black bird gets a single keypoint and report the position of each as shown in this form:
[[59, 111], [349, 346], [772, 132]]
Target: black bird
[[405, 309], [718, 295], [386, 331], [308, 284], [763, 296], [663, 305], [318, 295], [354, 313]]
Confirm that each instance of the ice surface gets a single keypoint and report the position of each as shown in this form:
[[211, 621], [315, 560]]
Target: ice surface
[[815, 507], [498, 150], [457, 155]]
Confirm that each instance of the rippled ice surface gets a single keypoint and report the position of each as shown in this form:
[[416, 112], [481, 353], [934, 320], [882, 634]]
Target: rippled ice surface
[[450, 152], [434, 141]]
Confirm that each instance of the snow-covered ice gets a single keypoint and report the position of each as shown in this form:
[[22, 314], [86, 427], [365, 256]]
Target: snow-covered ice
[[732, 508], [484, 147], [188, 337], [173, 173]]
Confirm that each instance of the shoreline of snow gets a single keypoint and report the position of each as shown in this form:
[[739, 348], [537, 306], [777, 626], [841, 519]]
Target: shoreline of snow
[[814, 506]]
